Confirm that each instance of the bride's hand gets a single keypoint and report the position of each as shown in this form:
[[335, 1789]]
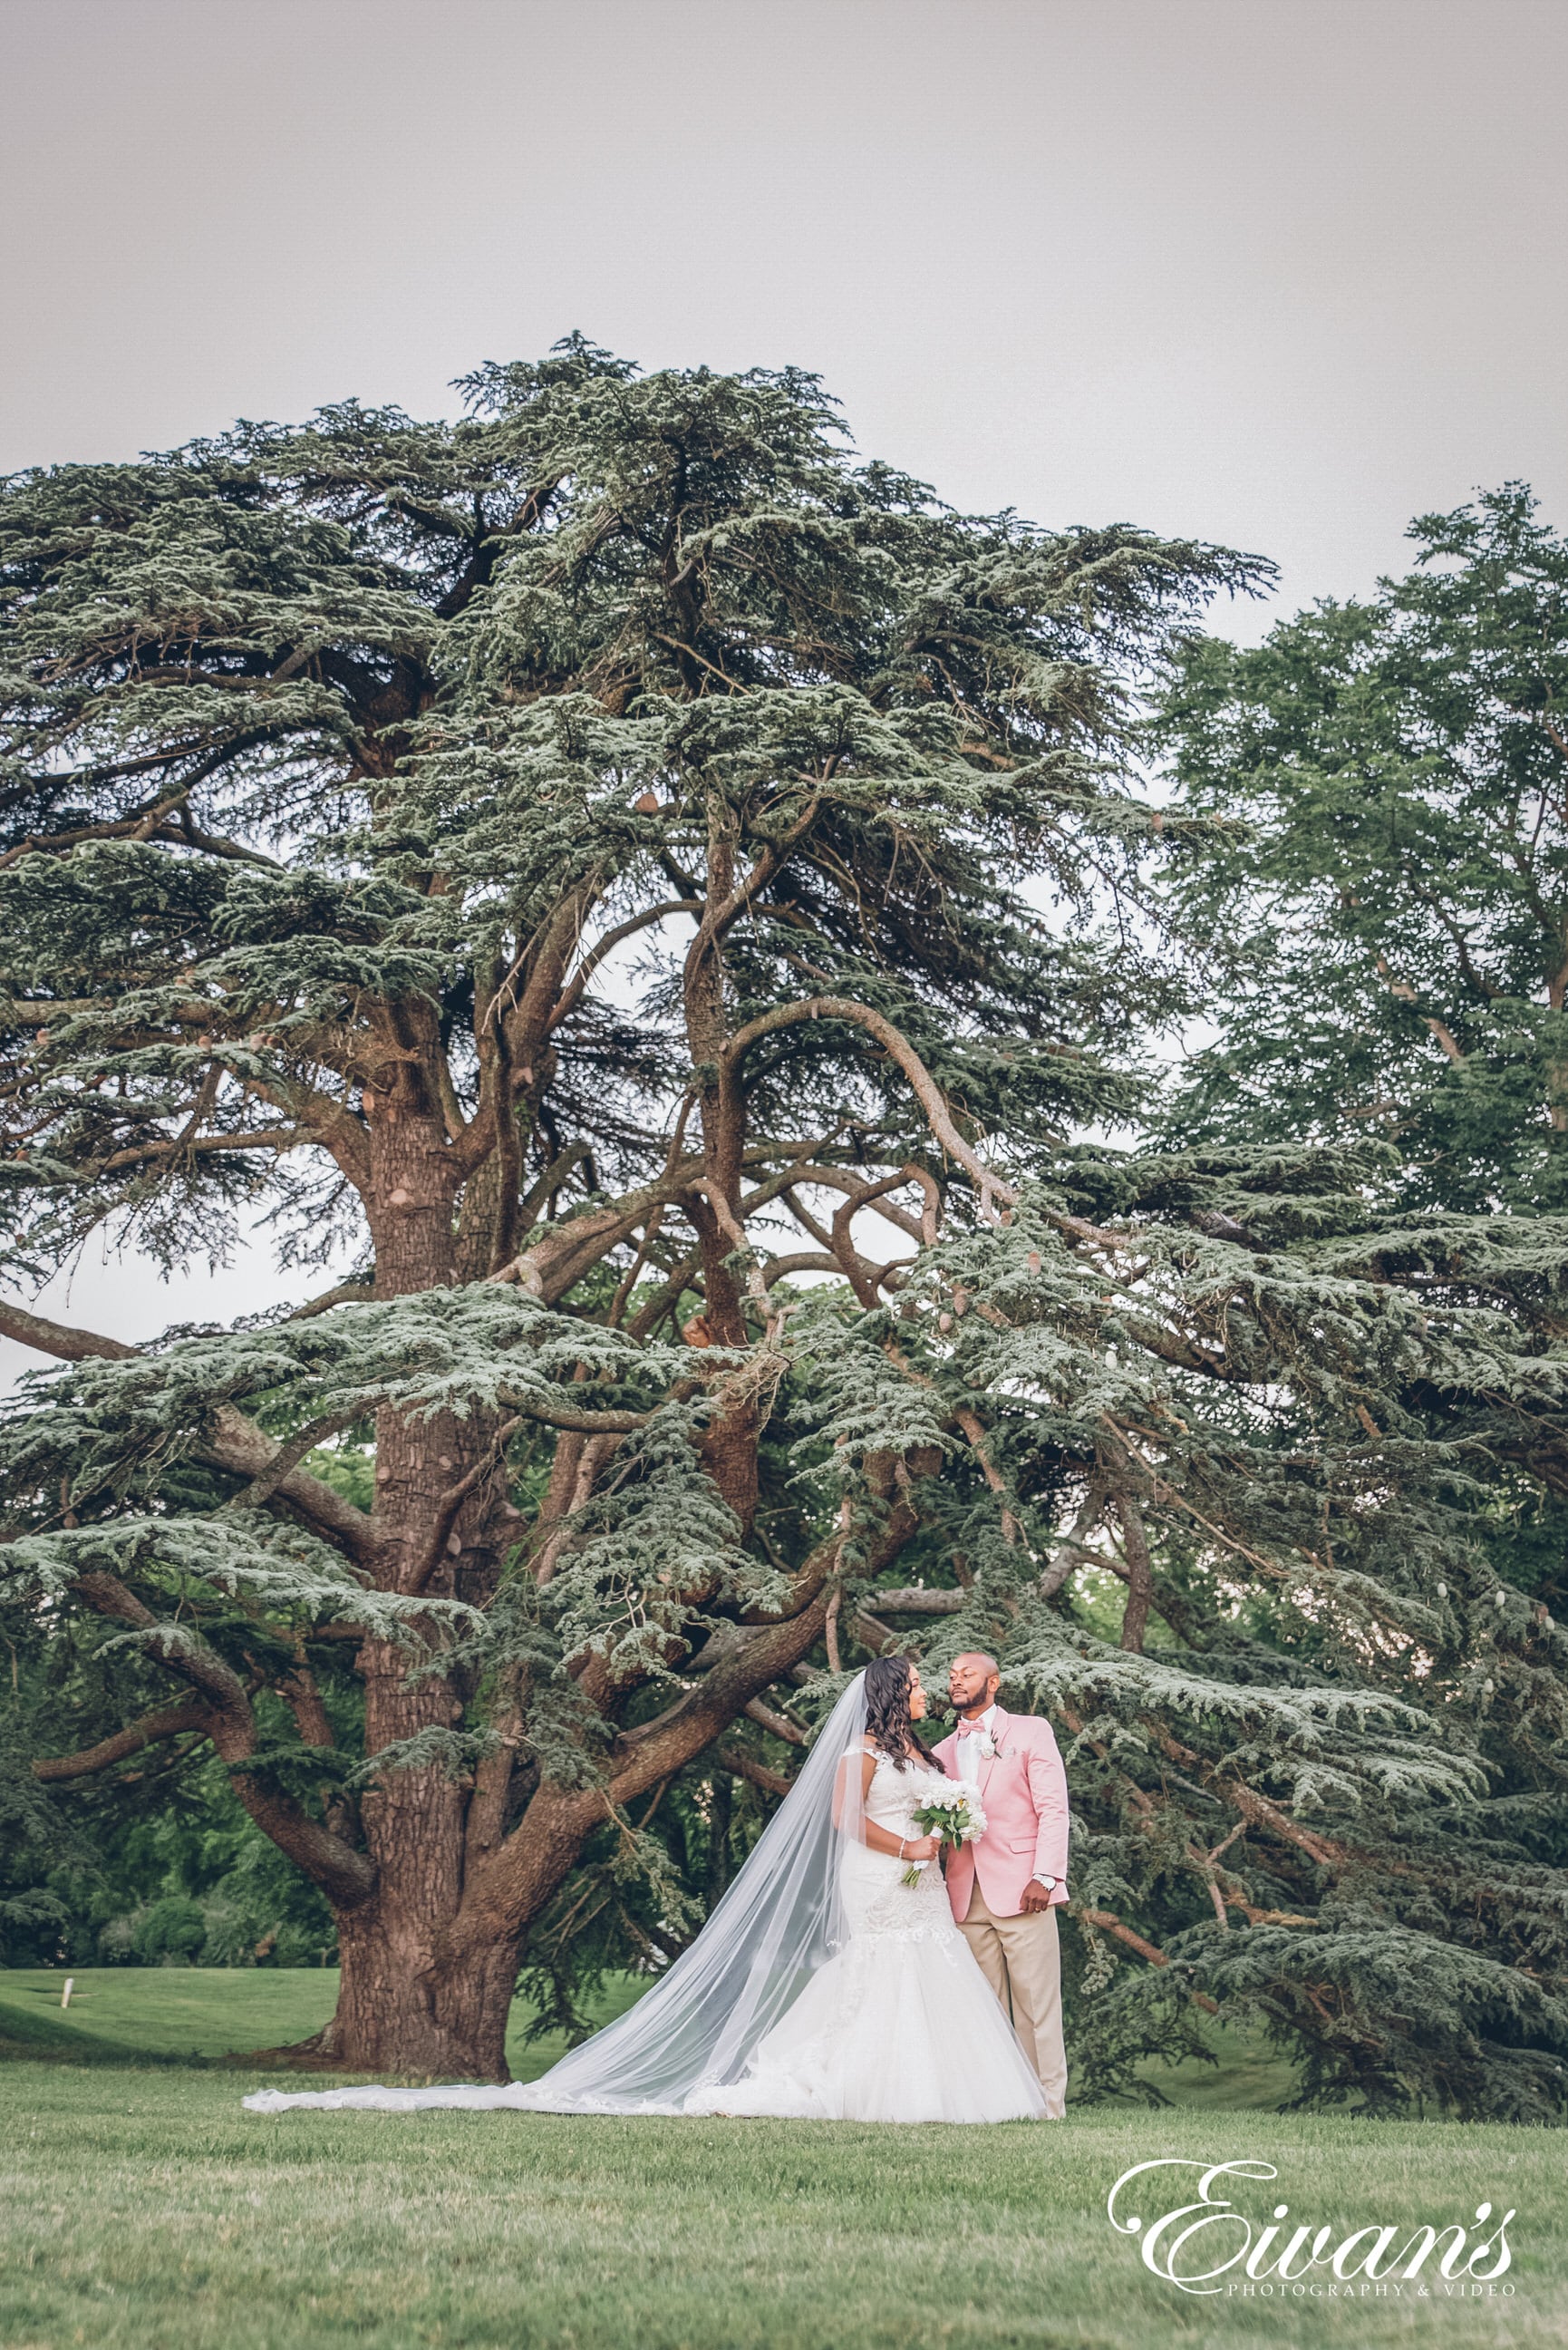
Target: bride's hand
[[922, 1848]]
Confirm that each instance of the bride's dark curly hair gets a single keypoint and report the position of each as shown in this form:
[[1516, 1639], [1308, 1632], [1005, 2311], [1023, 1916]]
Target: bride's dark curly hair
[[888, 1720]]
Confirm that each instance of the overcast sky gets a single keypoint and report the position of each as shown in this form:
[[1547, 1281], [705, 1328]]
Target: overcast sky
[[1281, 275]]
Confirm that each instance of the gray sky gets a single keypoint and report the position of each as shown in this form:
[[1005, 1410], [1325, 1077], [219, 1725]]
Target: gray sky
[[1277, 274]]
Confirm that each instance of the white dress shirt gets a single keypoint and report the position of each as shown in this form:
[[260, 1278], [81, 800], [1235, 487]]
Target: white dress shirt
[[968, 1738]]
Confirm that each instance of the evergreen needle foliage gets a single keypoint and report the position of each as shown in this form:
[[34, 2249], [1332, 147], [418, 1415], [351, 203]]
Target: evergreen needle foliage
[[603, 861]]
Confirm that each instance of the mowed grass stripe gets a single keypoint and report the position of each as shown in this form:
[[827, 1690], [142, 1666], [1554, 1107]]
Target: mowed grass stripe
[[143, 2209], [131, 2015]]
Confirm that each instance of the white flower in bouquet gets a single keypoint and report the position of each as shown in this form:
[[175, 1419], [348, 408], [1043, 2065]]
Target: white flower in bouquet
[[951, 1811]]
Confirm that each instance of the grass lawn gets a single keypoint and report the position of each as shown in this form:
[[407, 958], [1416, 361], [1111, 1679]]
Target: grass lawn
[[140, 2016], [141, 2209], [132, 2015]]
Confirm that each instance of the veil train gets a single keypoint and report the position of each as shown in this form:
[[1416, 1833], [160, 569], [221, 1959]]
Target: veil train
[[699, 2026]]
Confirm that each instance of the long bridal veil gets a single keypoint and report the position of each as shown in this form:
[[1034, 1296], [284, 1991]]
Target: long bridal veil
[[699, 2026]]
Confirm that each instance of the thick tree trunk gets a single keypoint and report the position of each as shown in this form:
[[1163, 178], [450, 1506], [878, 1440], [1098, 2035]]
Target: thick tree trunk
[[401, 2017], [399, 2010], [429, 1957], [398, 2013], [730, 1443], [429, 1960], [415, 1998]]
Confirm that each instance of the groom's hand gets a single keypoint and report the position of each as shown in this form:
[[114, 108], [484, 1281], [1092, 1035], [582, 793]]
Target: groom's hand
[[1035, 1896]]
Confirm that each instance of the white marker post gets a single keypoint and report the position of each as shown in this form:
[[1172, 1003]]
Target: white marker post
[[65, 1994]]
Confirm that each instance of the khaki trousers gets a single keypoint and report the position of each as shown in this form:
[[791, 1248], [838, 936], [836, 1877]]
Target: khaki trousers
[[1022, 1960]]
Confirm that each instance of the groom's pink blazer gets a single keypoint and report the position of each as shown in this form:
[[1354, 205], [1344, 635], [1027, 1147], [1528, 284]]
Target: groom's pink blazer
[[1024, 1792]]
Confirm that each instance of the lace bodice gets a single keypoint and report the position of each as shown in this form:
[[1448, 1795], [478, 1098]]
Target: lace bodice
[[876, 1901], [893, 1794]]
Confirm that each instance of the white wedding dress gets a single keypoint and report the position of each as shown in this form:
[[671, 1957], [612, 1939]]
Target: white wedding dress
[[901, 2026], [822, 1988]]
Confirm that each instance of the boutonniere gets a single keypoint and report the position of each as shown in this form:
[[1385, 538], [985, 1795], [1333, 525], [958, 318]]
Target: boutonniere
[[988, 1749]]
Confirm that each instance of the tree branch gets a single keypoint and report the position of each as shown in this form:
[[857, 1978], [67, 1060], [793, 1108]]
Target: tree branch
[[238, 1445], [347, 1292], [345, 1876], [929, 1094], [1140, 1573], [800, 1261], [171, 1722], [612, 940], [778, 1724], [57, 1339], [1070, 1551], [584, 1424], [917, 1601], [740, 1765], [970, 1423]]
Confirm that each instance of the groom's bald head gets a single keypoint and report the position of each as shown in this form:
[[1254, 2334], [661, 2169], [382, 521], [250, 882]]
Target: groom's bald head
[[972, 1679]]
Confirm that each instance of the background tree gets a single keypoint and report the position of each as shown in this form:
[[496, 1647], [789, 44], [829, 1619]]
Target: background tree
[[342, 766], [1396, 884], [1387, 786]]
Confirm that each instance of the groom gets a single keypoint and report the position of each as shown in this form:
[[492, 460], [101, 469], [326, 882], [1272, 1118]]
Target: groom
[[1006, 1889]]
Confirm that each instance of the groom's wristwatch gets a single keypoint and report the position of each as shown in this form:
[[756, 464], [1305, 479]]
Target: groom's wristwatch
[[1050, 1883]]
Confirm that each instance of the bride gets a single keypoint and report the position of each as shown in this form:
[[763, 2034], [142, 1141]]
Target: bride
[[823, 1987]]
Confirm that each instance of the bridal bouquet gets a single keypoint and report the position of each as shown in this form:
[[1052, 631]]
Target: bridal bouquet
[[951, 1811]]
